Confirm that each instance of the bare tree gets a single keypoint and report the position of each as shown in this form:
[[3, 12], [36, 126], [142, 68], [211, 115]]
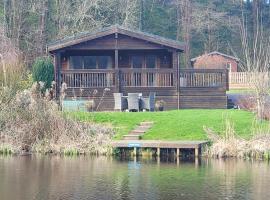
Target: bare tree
[[131, 13], [184, 20], [205, 21], [8, 56], [256, 60]]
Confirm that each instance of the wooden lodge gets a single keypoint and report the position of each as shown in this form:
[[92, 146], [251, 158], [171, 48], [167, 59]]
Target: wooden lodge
[[129, 61]]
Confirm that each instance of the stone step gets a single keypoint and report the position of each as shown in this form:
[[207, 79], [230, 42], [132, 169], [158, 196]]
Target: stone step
[[146, 123], [136, 133], [143, 127], [131, 137]]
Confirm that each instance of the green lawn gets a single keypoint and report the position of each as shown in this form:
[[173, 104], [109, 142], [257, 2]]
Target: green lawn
[[240, 91], [175, 125]]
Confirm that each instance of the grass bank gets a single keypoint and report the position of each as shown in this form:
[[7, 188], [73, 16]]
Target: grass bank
[[240, 91], [177, 124]]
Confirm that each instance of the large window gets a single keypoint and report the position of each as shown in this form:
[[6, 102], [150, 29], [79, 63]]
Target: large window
[[150, 61], [104, 62], [137, 61], [90, 62], [165, 61], [76, 62]]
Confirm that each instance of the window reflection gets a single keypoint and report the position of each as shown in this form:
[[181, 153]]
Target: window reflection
[[150, 61], [76, 62], [91, 62], [137, 61]]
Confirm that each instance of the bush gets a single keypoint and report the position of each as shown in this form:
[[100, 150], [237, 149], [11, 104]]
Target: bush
[[230, 145], [43, 70], [31, 123]]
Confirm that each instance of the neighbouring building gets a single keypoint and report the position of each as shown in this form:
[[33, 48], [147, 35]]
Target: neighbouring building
[[215, 60]]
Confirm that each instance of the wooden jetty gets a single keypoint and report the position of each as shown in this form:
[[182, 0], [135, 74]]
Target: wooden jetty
[[158, 145]]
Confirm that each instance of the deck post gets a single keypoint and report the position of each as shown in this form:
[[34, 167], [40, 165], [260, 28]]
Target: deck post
[[177, 152], [158, 151], [117, 73], [116, 57], [196, 152], [175, 63], [57, 76]]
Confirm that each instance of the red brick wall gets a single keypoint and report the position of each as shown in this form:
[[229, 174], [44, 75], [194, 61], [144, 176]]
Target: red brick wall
[[214, 62]]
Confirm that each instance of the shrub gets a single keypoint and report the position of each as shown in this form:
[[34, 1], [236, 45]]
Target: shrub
[[43, 71], [230, 145], [246, 102], [160, 105], [26, 82], [31, 123]]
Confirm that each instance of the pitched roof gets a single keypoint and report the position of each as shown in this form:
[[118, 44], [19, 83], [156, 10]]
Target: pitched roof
[[216, 53], [86, 36]]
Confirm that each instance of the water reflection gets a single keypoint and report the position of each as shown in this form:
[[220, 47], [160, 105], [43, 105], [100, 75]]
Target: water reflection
[[142, 178]]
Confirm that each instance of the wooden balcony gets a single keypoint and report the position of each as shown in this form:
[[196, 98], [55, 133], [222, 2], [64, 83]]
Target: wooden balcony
[[88, 78], [144, 78], [147, 78]]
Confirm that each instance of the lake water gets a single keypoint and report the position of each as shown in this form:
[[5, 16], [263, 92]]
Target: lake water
[[100, 178]]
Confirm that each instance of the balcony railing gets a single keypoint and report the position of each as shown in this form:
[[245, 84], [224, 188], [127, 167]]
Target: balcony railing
[[146, 77], [101, 78], [203, 78], [89, 78]]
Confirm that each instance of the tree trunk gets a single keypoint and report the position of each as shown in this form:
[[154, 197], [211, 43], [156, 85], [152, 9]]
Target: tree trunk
[[184, 16], [42, 28], [4, 70]]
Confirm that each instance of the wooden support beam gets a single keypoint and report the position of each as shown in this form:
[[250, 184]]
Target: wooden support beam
[[197, 152], [117, 72], [177, 152], [158, 151], [57, 71], [116, 64], [135, 151]]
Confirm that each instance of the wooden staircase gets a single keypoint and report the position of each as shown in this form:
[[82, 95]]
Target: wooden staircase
[[136, 133]]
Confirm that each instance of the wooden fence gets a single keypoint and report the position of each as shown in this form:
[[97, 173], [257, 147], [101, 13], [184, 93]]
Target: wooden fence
[[244, 80], [202, 78]]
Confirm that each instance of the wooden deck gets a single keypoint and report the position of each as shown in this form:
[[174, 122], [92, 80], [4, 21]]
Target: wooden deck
[[156, 144], [194, 88]]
